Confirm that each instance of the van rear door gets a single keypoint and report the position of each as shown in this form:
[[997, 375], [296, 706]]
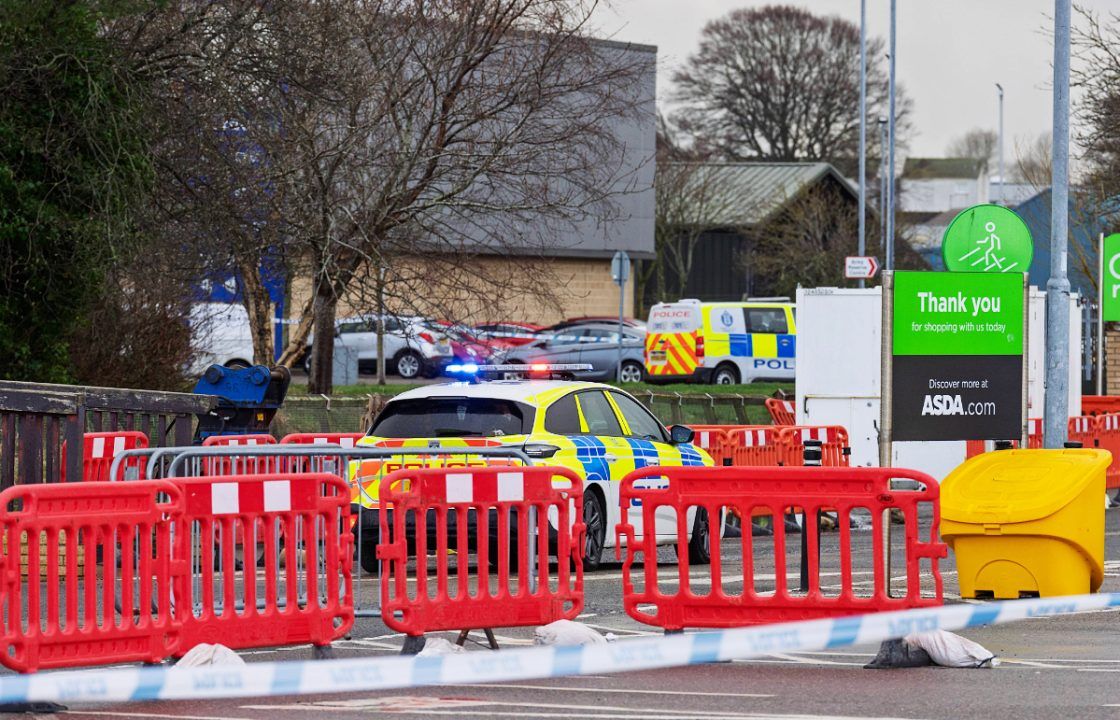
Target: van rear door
[[671, 339]]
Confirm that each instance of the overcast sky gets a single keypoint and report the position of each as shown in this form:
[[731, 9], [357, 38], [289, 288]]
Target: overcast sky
[[950, 55]]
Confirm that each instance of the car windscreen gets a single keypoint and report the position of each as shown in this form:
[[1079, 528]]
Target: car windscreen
[[453, 417]]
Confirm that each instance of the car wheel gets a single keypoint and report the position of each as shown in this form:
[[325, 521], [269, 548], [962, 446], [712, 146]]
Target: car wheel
[[631, 372], [700, 544], [408, 365], [595, 523], [307, 362], [725, 375]]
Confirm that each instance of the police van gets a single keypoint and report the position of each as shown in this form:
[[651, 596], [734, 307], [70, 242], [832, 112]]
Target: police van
[[724, 343]]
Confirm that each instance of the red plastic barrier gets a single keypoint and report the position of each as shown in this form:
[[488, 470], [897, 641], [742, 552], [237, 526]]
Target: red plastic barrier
[[294, 582], [1100, 404], [716, 440], [242, 465], [835, 450], [782, 412], [758, 446], [1082, 429], [60, 608], [455, 506], [775, 491], [99, 449], [1108, 438], [345, 440]]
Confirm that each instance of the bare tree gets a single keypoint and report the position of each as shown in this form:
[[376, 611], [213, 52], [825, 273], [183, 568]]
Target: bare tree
[[780, 83], [1095, 73], [378, 148], [1033, 161], [436, 133], [977, 143]]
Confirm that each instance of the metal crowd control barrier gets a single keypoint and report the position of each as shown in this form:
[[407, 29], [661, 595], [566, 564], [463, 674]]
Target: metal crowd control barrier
[[100, 448], [298, 589], [193, 461], [835, 450], [782, 412], [60, 609], [444, 510], [775, 491]]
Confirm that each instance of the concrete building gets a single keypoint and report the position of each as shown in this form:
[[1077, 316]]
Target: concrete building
[[934, 185]]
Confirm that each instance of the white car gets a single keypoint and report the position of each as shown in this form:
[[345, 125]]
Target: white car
[[414, 346], [220, 335]]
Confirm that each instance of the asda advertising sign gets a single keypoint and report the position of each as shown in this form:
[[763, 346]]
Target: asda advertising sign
[[957, 356]]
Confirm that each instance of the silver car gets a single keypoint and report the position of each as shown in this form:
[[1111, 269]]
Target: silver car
[[594, 344]]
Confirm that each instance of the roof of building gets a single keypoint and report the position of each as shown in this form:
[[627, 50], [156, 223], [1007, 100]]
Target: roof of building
[[750, 192], [942, 168]]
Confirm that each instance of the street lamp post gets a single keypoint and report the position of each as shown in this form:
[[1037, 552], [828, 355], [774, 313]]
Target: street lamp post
[[889, 264], [1002, 201], [862, 250], [1057, 287], [882, 180]]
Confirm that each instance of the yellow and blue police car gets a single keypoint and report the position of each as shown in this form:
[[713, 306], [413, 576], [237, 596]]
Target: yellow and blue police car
[[599, 431]]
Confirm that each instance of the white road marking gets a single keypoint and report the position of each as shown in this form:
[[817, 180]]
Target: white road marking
[[622, 691], [115, 713]]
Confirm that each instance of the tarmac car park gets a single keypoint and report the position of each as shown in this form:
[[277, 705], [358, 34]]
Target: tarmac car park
[[599, 431]]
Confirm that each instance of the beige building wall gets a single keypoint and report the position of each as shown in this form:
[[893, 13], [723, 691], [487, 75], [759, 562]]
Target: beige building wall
[[579, 287]]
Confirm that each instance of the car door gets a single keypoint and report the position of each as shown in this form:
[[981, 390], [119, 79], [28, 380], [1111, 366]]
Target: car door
[[598, 347], [603, 439], [649, 445]]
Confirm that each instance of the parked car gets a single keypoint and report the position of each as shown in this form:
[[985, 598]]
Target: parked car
[[413, 345], [466, 344], [595, 320], [508, 334], [595, 344], [220, 335]]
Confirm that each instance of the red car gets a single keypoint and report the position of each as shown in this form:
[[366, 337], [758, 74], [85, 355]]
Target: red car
[[467, 344], [507, 334]]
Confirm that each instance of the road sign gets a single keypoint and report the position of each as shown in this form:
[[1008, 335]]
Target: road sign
[[987, 238], [620, 268], [860, 267], [957, 346], [1110, 278]]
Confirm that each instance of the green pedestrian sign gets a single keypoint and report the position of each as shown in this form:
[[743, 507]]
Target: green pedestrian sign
[[987, 238], [1110, 278]]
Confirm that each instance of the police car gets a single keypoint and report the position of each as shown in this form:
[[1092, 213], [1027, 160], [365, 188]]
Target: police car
[[599, 431]]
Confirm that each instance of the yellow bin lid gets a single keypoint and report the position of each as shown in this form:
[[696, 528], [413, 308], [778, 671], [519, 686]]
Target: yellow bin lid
[[1011, 486]]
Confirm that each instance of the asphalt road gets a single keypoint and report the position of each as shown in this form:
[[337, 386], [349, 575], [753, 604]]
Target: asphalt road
[[1059, 667]]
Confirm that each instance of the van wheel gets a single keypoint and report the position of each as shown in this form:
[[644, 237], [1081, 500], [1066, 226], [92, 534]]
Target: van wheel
[[725, 375]]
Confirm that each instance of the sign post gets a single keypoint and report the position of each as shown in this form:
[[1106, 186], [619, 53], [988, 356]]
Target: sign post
[[620, 273], [860, 267]]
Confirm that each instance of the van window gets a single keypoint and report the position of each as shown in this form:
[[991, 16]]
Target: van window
[[767, 320], [672, 318]]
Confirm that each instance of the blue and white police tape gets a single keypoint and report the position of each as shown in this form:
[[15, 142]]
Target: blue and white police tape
[[647, 653]]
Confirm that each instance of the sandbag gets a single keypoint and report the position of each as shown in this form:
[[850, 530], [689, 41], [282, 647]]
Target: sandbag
[[566, 632]]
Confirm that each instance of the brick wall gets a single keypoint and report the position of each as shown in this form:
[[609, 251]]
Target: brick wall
[[580, 287], [1111, 359]]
